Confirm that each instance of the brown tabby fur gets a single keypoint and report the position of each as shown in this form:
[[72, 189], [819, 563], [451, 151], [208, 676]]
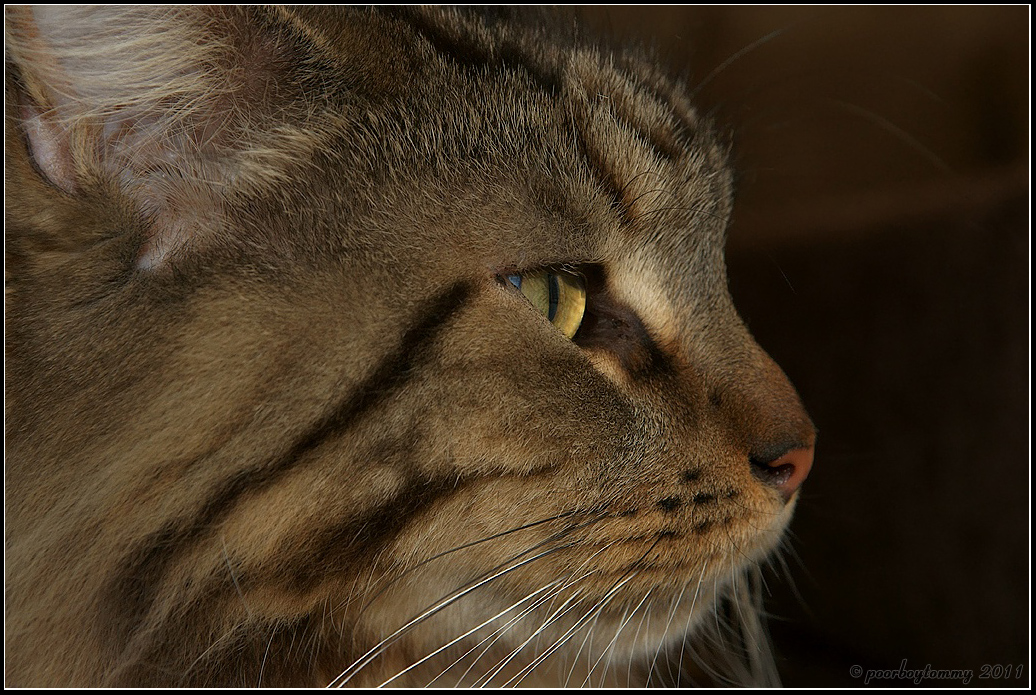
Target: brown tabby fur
[[268, 399]]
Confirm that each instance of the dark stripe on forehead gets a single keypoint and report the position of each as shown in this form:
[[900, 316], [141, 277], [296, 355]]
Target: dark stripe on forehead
[[508, 48], [134, 588], [640, 107], [670, 94], [597, 163], [455, 41], [656, 136]]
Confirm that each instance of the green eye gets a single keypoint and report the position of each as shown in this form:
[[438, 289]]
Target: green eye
[[558, 295]]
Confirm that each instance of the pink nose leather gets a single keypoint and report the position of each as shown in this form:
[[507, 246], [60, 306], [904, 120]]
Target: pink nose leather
[[790, 469]]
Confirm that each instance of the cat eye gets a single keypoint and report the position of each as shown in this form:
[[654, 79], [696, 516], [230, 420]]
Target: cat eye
[[557, 294]]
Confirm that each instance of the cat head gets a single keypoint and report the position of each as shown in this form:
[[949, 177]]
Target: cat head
[[284, 404]]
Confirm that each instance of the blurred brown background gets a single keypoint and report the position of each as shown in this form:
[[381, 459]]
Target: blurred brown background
[[880, 253]]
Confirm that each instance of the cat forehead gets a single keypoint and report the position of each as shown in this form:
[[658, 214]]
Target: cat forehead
[[602, 139]]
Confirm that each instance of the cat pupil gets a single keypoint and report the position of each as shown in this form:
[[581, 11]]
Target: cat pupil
[[552, 291], [560, 296]]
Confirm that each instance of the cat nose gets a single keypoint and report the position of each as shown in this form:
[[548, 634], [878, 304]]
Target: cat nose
[[787, 471]]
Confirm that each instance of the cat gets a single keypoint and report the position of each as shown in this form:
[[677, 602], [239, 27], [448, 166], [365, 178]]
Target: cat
[[359, 346]]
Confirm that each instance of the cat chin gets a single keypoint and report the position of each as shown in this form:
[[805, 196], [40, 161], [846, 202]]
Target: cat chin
[[561, 632], [562, 640]]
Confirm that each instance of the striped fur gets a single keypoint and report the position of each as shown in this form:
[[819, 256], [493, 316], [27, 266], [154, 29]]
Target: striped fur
[[273, 418]]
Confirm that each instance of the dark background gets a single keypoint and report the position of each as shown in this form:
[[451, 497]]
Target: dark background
[[880, 252]]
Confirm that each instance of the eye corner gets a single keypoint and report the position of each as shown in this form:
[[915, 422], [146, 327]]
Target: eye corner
[[501, 277]]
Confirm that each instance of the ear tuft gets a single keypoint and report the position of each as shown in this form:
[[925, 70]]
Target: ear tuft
[[123, 70], [152, 101]]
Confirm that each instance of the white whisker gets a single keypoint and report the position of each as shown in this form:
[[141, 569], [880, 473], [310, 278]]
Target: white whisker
[[636, 640], [556, 615], [571, 631], [377, 650], [495, 636], [469, 632], [690, 614], [608, 650], [669, 622]]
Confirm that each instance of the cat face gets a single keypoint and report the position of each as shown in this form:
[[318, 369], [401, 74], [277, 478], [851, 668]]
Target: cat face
[[273, 348]]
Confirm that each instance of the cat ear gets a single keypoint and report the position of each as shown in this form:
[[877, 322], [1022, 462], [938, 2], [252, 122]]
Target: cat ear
[[157, 104]]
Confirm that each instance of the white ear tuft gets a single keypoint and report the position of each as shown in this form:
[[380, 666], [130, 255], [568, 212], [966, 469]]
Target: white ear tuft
[[49, 148], [140, 97], [117, 68]]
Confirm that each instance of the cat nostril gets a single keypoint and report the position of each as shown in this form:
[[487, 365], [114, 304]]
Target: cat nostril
[[785, 472]]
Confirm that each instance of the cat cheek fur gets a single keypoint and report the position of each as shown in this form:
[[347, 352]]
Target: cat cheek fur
[[274, 419]]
